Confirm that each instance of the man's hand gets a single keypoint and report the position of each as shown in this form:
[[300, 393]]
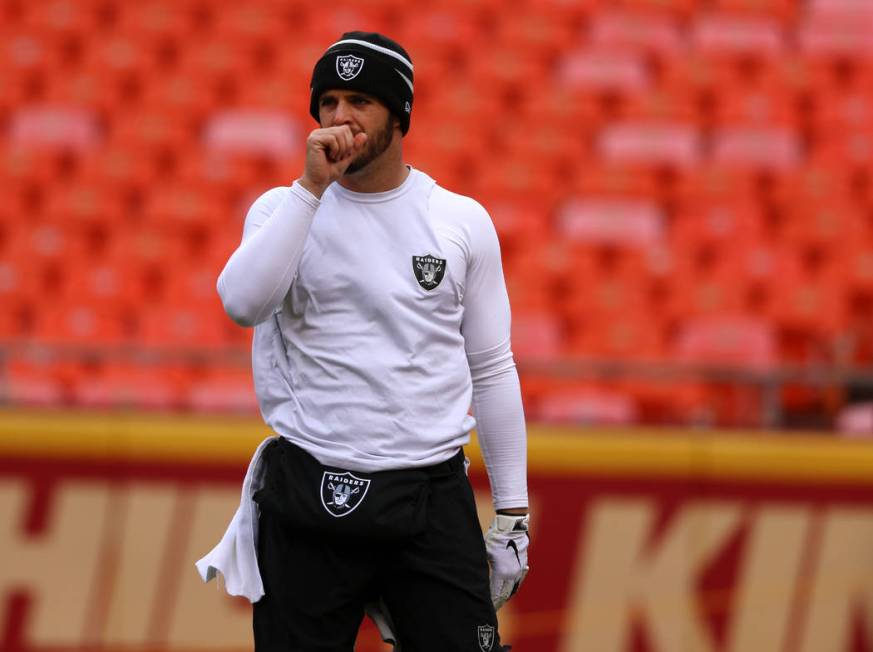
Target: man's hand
[[506, 544], [329, 152]]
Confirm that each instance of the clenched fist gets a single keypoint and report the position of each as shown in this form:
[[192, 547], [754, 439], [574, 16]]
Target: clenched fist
[[329, 151]]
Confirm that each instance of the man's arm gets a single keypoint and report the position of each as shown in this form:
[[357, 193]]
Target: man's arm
[[497, 402], [498, 409], [259, 273]]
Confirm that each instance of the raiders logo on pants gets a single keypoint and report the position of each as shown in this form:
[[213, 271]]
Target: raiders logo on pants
[[317, 583]]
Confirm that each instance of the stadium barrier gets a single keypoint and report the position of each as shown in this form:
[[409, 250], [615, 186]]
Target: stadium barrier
[[662, 541]]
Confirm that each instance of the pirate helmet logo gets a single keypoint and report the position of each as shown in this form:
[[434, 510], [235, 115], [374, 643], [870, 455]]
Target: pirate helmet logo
[[348, 66], [342, 492], [486, 637], [428, 270]]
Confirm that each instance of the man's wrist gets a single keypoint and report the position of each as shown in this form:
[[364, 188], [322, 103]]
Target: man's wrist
[[316, 190], [513, 511]]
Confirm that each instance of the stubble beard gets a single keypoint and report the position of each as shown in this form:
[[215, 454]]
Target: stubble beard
[[374, 148]]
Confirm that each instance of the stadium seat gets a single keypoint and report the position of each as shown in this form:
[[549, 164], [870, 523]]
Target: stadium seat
[[83, 323], [587, 404], [31, 383], [650, 32], [726, 36], [54, 127], [120, 385], [623, 335], [224, 389], [782, 10], [270, 133], [540, 33], [536, 336], [656, 143], [597, 70], [811, 295], [776, 148], [617, 222], [836, 29], [183, 327], [733, 340]]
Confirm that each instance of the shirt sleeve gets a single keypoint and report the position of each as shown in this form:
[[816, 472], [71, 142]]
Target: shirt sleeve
[[259, 273], [497, 404]]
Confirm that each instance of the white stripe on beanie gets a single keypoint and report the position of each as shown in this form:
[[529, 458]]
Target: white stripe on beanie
[[391, 53], [406, 79]]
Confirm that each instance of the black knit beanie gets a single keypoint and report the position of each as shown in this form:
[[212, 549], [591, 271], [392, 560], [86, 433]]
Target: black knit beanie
[[370, 63]]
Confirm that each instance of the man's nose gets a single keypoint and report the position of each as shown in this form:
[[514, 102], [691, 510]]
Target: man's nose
[[341, 115]]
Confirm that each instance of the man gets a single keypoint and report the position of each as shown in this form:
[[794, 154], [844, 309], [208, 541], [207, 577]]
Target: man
[[380, 314]]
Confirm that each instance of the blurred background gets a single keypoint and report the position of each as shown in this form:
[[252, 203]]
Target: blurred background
[[683, 191]]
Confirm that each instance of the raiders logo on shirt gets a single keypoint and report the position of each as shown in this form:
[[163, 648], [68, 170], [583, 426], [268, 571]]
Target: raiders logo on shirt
[[429, 271]]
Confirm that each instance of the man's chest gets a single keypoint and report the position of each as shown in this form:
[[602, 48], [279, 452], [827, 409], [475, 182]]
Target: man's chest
[[371, 267]]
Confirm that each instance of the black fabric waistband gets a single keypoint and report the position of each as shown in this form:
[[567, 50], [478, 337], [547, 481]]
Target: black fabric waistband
[[454, 464]]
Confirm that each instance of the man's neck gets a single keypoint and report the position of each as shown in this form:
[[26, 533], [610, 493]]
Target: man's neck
[[383, 174]]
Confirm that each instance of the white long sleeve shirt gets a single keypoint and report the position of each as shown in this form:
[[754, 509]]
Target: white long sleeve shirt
[[355, 360], [380, 318]]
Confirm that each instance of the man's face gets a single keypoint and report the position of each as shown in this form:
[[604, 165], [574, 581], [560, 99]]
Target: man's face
[[363, 113]]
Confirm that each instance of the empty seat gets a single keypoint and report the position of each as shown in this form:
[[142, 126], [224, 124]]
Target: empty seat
[[776, 148], [224, 389], [183, 326], [270, 133], [54, 126], [654, 32], [619, 222], [782, 10], [726, 35], [31, 383], [587, 404], [675, 144], [83, 323], [536, 336], [735, 340], [597, 70], [119, 385]]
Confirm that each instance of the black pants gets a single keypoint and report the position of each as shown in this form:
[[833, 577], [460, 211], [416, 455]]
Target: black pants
[[434, 584]]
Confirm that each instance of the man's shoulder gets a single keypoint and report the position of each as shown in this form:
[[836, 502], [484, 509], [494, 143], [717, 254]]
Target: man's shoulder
[[271, 196], [462, 207]]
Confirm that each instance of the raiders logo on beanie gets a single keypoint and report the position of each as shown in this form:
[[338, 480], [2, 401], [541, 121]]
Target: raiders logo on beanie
[[370, 63]]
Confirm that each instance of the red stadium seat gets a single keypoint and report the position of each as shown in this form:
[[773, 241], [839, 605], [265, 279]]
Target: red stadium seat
[[740, 340], [679, 8], [726, 36], [836, 29], [628, 336], [537, 32], [674, 144], [536, 336], [185, 326], [640, 31], [228, 390], [811, 296], [83, 323], [121, 385], [782, 10], [31, 383], [54, 127], [587, 404], [617, 222], [775, 148], [597, 70]]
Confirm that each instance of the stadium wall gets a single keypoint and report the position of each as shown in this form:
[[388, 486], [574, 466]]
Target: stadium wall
[[643, 541]]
